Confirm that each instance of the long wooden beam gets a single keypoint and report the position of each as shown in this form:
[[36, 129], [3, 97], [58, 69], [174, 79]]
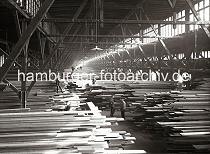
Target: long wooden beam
[[172, 3], [23, 98], [25, 38], [120, 21], [111, 36], [42, 43], [17, 24], [111, 43]]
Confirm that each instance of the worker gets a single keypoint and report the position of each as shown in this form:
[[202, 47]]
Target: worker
[[70, 87], [187, 85], [93, 80], [88, 87], [122, 107], [179, 83], [112, 106], [58, 86]]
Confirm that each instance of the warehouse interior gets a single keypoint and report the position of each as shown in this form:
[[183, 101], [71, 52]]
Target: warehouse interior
[[104, 76]]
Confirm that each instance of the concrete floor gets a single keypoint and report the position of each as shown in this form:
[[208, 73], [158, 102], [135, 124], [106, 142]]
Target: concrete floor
[[144, 140]]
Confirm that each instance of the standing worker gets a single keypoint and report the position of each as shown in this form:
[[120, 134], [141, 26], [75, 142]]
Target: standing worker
[[93, 80], [179, 83], [122, 107], [112, 106], [58, 86]]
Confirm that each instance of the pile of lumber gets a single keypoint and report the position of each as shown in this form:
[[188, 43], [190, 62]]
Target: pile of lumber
[[202, 84], [9, 99], [81, 129], [137, 84], [181, 117], [37, 99], [40, 93], [100, 94], [66, 101], [129, 90]]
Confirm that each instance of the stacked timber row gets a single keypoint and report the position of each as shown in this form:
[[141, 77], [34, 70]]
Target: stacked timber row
[[80, 128], [38, 97], [131, 92], [182, 118]]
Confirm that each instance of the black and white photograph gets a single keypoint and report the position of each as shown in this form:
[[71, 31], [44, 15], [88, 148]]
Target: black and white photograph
[[104, 76]]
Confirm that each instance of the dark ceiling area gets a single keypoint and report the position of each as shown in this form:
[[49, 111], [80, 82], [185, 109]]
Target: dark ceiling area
[[77, 28], [86, 33]]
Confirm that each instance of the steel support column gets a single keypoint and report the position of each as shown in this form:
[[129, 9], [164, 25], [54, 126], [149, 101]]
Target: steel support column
[[17, 24], [42, 43], [23, 98]]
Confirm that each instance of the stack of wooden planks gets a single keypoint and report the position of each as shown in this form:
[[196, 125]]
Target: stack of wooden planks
[[131, 91], [181, 117], [9, 99], [80, 129], [37, 99], [203, 84]]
